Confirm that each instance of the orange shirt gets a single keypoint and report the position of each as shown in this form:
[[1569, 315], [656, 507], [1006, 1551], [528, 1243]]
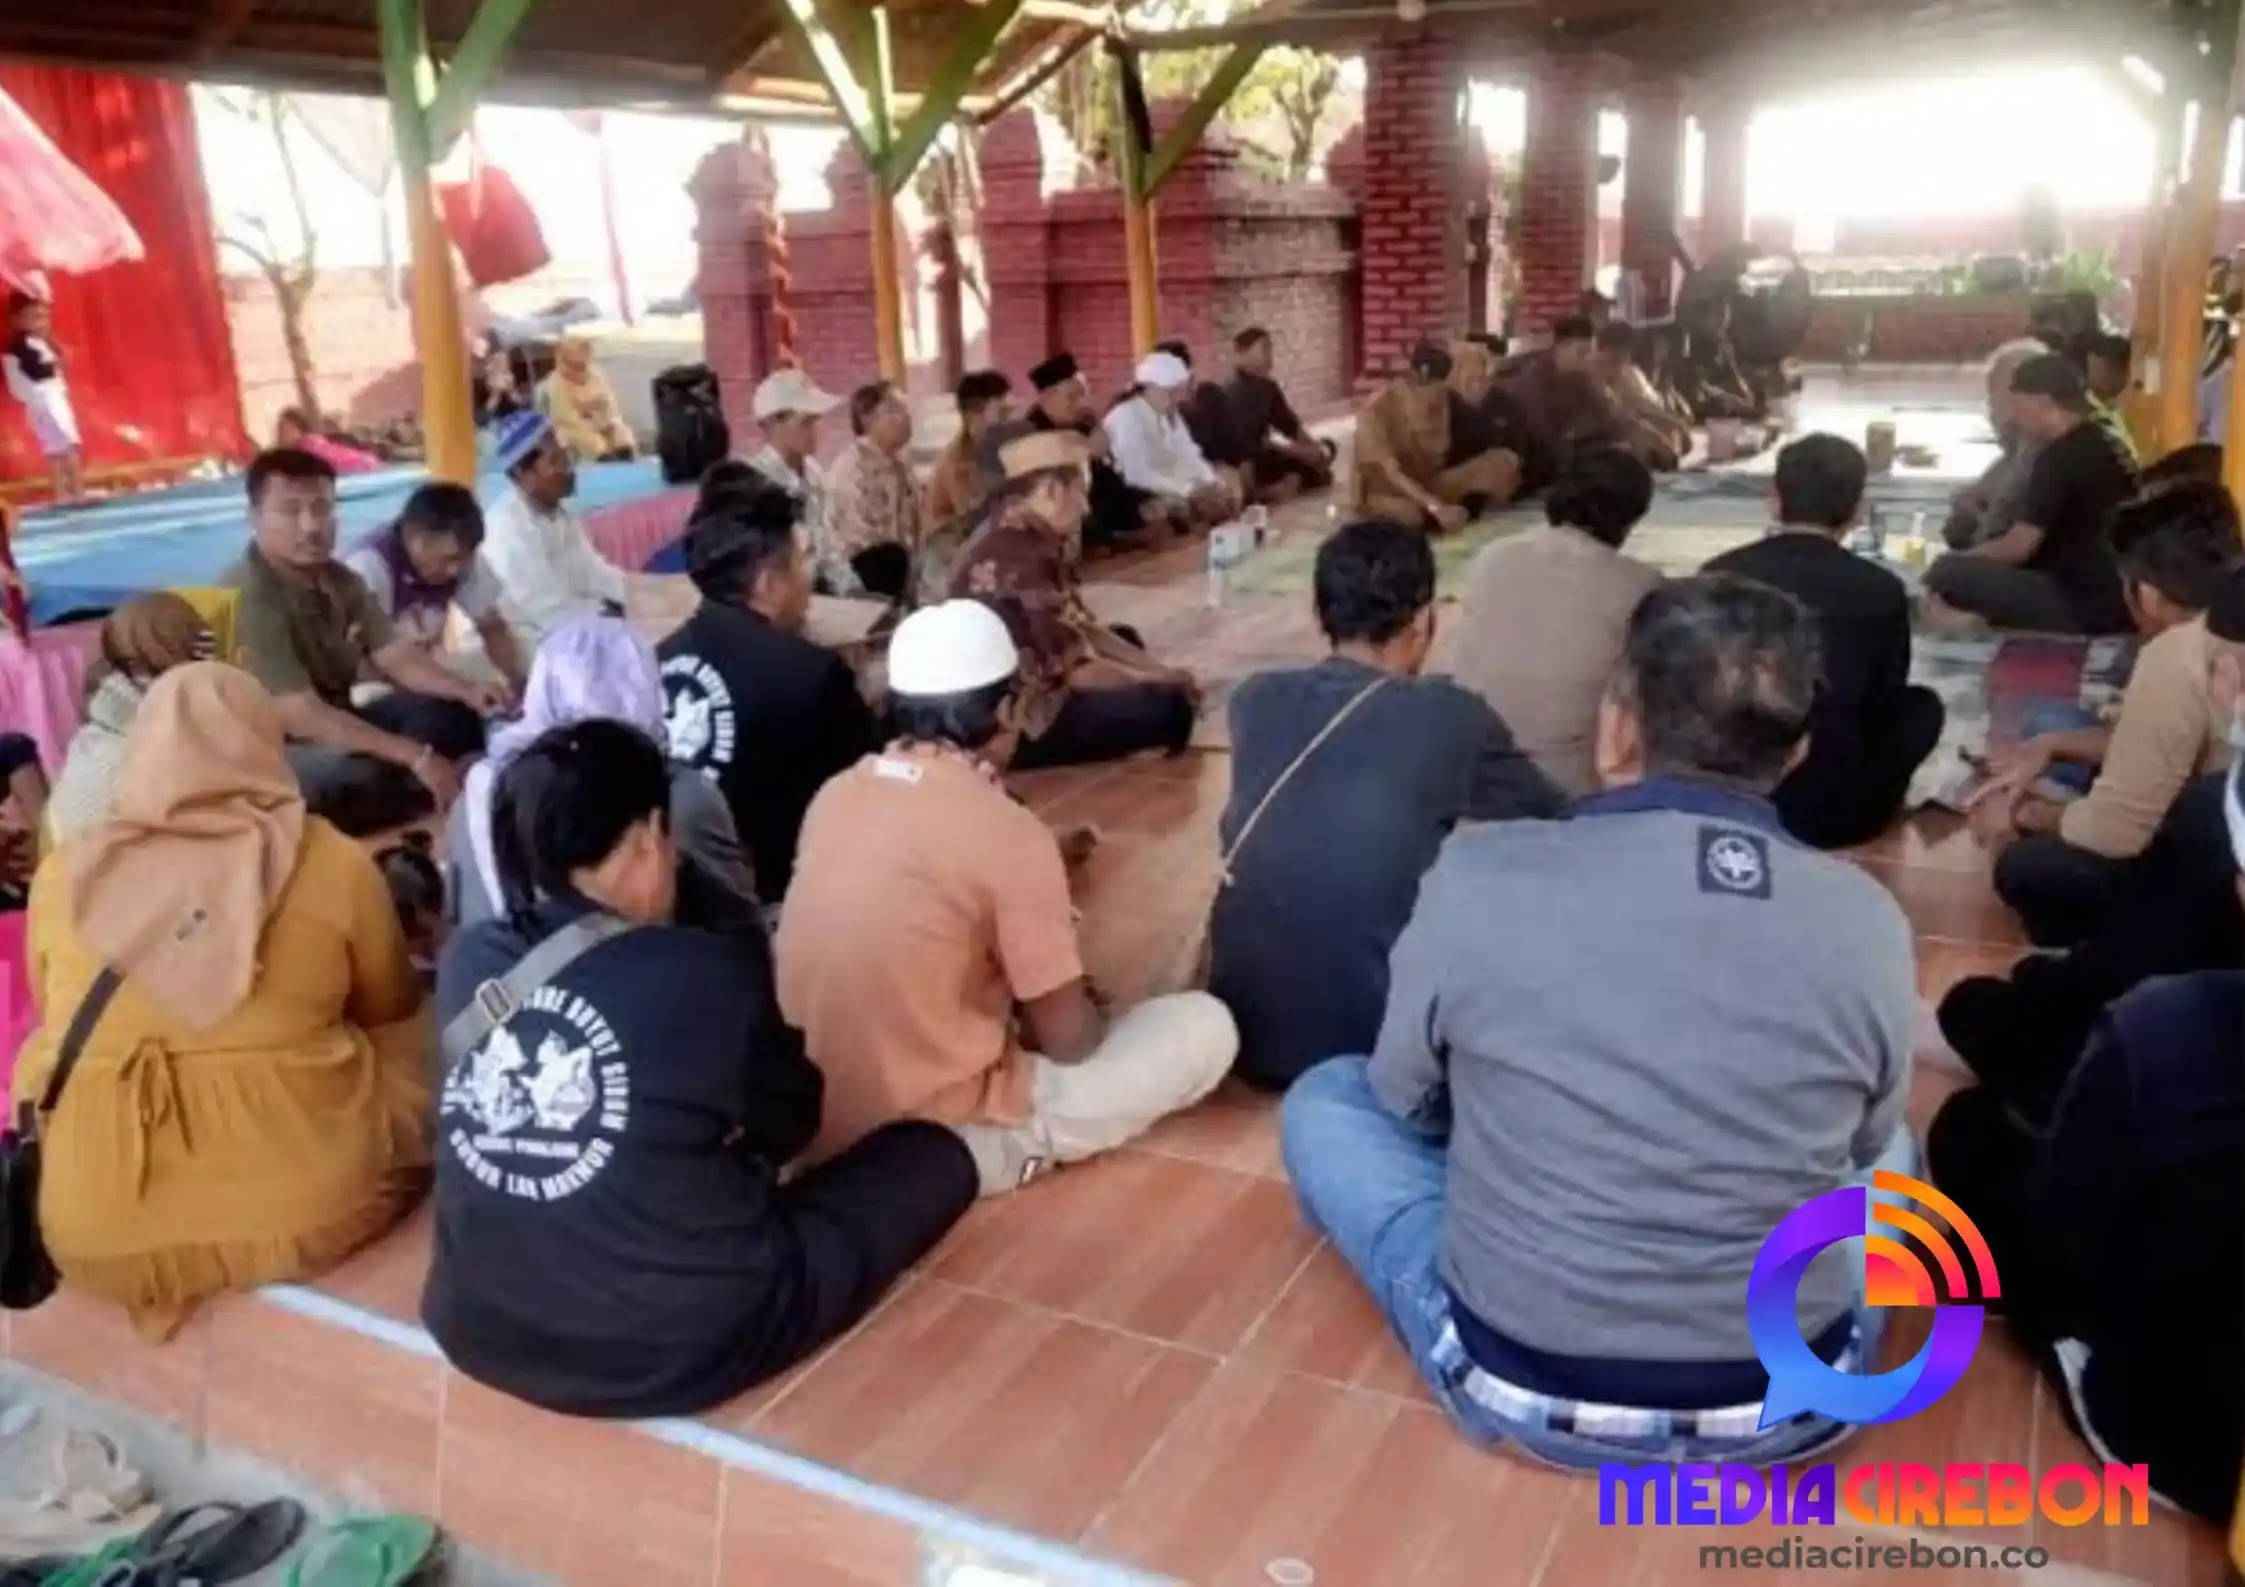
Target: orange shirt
[[926, 906]]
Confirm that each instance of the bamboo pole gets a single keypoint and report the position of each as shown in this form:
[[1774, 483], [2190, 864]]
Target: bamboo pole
[[447, 413], [2190, 247], [888, 302]]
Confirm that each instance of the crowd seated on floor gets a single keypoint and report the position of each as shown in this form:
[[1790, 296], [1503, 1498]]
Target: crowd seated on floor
[[745, 995]]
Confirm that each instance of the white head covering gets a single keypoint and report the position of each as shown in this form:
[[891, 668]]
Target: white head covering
[[950, 648], [1165, 370]]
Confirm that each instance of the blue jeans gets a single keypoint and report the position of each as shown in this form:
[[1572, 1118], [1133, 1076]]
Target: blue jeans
[[1375, 1187], [2055, 716]]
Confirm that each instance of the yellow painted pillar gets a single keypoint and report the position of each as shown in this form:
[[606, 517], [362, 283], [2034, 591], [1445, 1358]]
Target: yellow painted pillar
[[447, 404], [2190, 248], [888, 303], [447, 410]]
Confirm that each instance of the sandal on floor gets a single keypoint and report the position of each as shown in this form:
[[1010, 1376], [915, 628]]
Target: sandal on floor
[[111, 1565], [216, 1543], [367, 1551]]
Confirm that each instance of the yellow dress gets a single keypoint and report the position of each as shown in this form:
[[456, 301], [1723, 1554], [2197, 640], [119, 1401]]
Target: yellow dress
[[180, 1163]]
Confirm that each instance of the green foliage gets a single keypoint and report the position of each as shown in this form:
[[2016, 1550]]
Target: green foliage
[[1294, 91]]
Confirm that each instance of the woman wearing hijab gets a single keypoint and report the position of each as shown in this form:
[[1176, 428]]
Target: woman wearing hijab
[[142, 640], [250, 1106], [592, 668], [582, 406]]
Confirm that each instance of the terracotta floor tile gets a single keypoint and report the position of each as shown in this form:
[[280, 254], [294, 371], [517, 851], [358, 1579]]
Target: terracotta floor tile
[[774, 1535], [1155, 798], [387, 1276], [1266, 1466], [1019, 1415], [2175, 1550], [587, 1502], [1941, 964], [1179, 1251], [1956, 906], [1987, 1417], [1325, 1326], [352, 1415], [1241, 1135], [91, 1344]]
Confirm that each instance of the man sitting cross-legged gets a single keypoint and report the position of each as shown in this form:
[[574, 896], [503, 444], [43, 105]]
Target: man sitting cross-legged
[[1091, 692], [2052, 570], [1555, 1180], [928, 952], [1279, 454], [309, 629], [1871, 728], [1404, 470], [1358, 744], [2056, 863]]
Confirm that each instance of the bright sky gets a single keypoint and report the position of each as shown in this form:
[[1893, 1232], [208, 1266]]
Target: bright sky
[[1957, 146], [1964, 145]]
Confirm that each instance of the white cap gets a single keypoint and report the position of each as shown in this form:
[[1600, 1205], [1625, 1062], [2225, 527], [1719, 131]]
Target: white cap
[[790, 391], [950, 648], [1165, 370]]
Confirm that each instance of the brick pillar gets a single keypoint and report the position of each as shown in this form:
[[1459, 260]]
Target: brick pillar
[[832, 257], [1553, 233], [1723, 179], [1652, 192], [733, 281], [1412, 222]]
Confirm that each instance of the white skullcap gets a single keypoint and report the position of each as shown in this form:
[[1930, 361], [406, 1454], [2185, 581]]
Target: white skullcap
[[953, 647], [1164, 370]]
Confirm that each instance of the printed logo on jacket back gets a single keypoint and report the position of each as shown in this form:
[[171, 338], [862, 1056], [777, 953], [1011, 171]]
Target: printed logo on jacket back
[[698, 714], [534, 1111]]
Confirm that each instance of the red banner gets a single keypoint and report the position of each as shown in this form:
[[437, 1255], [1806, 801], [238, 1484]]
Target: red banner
[[144, 346]]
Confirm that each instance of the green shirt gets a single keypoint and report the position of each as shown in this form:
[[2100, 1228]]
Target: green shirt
[[305, 632]]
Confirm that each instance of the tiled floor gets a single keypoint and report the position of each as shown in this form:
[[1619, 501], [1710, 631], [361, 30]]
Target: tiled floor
[[1148, 1357]]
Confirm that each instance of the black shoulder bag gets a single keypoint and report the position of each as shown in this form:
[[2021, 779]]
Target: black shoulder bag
[[27, 1272]]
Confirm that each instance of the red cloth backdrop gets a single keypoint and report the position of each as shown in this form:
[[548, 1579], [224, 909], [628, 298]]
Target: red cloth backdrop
[[145, 346]]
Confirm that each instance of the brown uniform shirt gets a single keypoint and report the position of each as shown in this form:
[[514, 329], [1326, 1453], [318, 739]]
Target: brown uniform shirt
[[927, 906], [305, 633], [1402, 424]]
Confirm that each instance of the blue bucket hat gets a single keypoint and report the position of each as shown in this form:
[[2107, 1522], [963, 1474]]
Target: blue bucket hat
[[519, 436]]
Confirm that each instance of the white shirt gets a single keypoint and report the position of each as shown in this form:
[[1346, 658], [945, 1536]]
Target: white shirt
[[476, 595], [1154, 452], [807, 485], [546, 568]]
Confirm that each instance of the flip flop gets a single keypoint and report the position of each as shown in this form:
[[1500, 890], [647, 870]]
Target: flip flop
[[216, 1543], [111, 1565], [367, 1551]]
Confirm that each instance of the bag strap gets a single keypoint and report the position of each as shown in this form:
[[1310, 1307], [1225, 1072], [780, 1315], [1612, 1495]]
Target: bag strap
[[495, 1002], [1247, 827], [90, 1009]]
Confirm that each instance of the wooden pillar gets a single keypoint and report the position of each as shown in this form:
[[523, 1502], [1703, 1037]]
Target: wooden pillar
[[1138, 225], [888, 302], [2140, 406], [447, 410], [2190, 245]]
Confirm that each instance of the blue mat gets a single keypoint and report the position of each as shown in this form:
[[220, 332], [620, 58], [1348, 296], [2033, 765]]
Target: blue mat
[[84, 561]]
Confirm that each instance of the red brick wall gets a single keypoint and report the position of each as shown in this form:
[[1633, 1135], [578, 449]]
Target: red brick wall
[[1552, 236], [1412, 238], [1958, 329], [1232, 251]]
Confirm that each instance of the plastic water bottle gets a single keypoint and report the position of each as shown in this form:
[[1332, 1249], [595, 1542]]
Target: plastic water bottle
[[1227, 549]]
